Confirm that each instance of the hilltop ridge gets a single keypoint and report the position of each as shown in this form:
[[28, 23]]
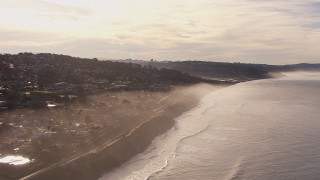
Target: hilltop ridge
[[238, 72]]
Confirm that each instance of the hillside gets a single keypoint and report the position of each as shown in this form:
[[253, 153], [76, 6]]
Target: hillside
[[28, 79]]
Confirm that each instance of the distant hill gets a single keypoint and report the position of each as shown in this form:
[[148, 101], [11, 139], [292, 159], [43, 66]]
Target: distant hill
[[302, 67], [222, 70]]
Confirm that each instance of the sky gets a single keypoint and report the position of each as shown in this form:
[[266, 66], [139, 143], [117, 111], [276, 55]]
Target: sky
[[254, 31]]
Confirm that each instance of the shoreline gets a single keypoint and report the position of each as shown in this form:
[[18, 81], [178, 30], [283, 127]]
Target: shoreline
[[114, 153]]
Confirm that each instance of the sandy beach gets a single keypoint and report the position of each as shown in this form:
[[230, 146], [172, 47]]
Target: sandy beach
[[130, 137]]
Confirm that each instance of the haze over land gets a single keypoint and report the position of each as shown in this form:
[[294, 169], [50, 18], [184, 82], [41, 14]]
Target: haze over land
[[159, 89], [273, 32]]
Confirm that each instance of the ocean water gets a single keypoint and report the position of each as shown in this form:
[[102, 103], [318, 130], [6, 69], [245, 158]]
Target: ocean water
[[265, 129]]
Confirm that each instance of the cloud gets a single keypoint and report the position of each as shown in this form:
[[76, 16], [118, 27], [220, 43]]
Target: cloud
[[14, 36], [42, 5], [260, 31], [48, 9]]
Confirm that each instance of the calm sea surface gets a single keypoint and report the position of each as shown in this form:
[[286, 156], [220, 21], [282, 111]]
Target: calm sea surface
[[266, 129]]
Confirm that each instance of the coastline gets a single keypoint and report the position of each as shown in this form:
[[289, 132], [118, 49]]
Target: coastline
[[121, 149]]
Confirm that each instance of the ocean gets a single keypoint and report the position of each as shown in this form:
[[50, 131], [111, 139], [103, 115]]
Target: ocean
[[264, 129]]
